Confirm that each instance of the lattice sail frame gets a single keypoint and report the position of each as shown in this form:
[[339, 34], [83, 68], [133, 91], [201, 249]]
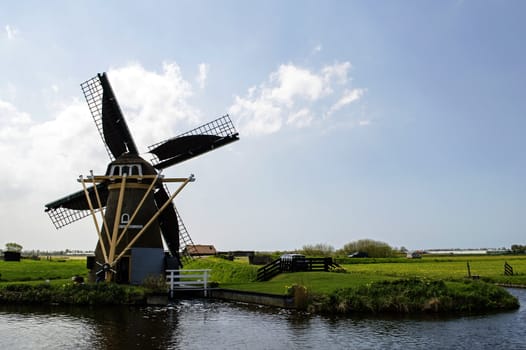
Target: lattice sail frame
[[184, 237], [61, 216], [222, 127], [93, 92]]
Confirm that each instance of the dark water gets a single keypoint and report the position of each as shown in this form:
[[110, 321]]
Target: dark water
[[204, 324]]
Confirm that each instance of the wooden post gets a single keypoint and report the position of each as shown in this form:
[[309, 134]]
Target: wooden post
[[154, 217], [113, 244], [104, 222], [104, 253], [139, 206]]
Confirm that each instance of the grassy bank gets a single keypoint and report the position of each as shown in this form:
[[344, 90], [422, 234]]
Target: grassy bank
[[372, 286], [71, 294], [56, 269], [415, 295], [364, 285], [48, 281]]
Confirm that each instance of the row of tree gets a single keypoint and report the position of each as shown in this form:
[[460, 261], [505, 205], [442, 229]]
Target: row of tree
[[13, 247], [518, 249], [374, 249]]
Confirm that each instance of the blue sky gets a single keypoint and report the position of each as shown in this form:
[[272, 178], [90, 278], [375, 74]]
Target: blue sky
[[396, 121]]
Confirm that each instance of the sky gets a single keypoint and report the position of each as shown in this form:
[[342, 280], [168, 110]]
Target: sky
[[397, 121]]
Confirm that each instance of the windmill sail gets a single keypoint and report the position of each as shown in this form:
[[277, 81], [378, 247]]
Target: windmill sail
[[168, 222], [108, 117], [74, 207], [195, 142]]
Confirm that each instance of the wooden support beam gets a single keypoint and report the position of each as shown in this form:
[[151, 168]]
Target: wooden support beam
[[116, 221], [139, 206], [104, 222], [86, 193], [154, 217], [99, 178]]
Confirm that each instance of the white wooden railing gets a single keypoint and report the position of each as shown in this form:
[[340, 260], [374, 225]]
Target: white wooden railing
[[187, 280]]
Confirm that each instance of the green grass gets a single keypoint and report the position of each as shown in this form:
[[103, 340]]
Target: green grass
[[414, 295], [238, 274], [365, 271], [225, 271], [71, 294], [318, 282], [489, 268], [366, 284], [41, 270]]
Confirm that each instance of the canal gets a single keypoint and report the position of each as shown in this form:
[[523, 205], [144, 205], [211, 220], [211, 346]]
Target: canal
[[208, 324]]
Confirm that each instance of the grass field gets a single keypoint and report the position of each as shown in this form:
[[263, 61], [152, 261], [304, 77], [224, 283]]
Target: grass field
[[489, 268], [366, 271], [27, 270], [240, 275]]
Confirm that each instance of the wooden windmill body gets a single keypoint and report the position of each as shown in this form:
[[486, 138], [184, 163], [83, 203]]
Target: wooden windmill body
[[130, 205]]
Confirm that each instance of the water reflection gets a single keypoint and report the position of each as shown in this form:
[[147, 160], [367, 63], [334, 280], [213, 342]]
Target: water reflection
[[204, 324]]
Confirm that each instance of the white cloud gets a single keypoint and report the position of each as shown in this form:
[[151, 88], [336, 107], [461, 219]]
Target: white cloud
[[295, 83], [44, 159], [257, 115], [317, 48], [348, 97], [204, 68], [156, 105], [11, 32], [153, 104], [364, 122], [300, 119], [294, 96]]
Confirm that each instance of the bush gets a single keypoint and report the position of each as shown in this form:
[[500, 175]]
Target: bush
[[155, 283], [78, 294], [417, 295], [374, 249], [320, 249]]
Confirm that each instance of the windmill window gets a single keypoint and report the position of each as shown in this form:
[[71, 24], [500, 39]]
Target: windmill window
[[125, 218], [134, 169]]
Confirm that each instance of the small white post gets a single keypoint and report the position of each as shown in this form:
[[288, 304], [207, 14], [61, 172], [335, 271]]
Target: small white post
[[171, 281], [205, 280]]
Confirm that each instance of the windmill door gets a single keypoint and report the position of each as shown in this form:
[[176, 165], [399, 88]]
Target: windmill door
[[123, 270]]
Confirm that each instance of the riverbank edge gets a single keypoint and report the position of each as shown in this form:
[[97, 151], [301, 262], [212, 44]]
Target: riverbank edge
[[511, 285], [480, 298], [410, 296]]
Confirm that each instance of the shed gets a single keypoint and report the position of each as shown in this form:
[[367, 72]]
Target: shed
[[200, 250]]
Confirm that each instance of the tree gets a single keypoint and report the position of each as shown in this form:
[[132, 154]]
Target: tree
[[518, 249], [375, 249], [319, 249], [13, 247]]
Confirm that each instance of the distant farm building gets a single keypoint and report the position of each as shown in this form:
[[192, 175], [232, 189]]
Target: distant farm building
[[200, 250], [466, 251]]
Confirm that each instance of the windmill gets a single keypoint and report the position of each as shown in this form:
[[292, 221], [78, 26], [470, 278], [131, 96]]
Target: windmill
[[131, 198]]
